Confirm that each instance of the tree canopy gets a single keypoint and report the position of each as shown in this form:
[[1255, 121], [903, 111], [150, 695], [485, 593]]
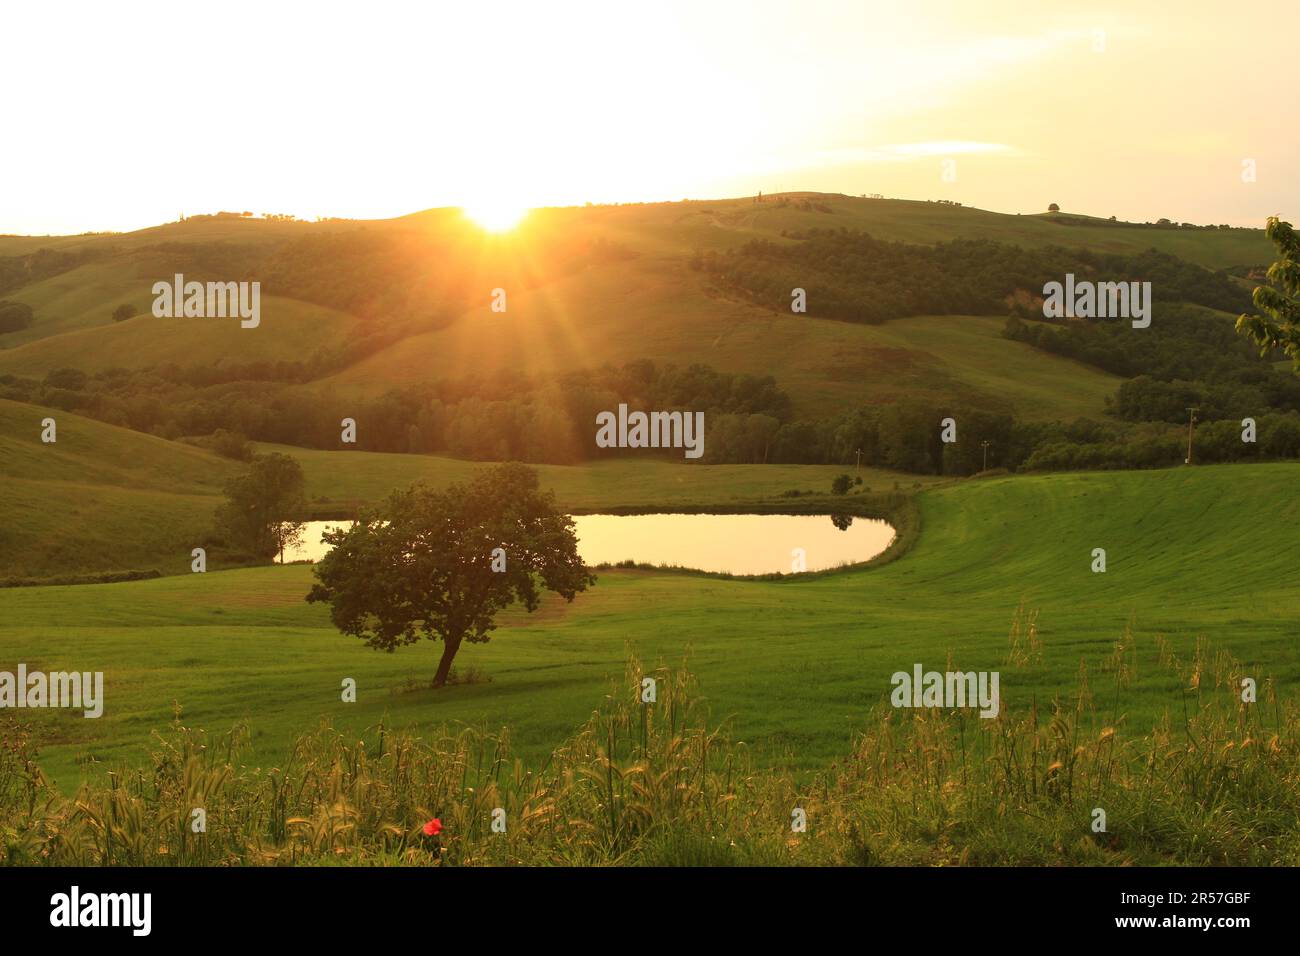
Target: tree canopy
[[441, 564], [1279, 326], [262, 506]]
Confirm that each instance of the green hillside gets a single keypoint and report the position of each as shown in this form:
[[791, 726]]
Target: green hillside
[[79, 299], [92, 342], [100, 498], [1193, 554], [630, 296], [618, 314]]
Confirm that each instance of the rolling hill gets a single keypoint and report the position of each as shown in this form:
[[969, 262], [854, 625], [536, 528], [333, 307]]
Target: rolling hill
[[588, 286], [100, 498]]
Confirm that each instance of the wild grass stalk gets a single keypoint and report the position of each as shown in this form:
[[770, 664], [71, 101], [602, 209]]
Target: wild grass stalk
[[659, 784]]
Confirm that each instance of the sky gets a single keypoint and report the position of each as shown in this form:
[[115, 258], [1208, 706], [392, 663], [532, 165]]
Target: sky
[[126, 115]]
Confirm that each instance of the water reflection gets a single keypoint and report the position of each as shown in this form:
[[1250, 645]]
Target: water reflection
[[737, 544]]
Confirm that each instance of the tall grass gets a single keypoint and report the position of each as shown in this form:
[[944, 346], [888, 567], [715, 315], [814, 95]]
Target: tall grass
[[656, 784]]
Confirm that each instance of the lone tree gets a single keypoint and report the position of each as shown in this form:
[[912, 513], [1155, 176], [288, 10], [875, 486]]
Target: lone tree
[[262, 507], [1053, 208], [1279, 326], [443, 564]]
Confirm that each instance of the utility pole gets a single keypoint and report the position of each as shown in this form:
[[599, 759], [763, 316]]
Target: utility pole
[[1191, 420], [986, 455], [858, 467]]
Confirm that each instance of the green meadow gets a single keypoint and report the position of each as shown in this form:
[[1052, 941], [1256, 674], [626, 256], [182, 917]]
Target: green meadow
[[1195, 557]]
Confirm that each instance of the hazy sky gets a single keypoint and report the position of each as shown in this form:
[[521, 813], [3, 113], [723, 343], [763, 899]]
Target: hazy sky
[[124, 115]]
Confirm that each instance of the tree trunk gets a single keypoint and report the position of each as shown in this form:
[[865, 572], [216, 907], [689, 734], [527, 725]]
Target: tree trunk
[[449, 648]]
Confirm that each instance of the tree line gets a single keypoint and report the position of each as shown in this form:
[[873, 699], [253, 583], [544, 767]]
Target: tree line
[[851, 276]]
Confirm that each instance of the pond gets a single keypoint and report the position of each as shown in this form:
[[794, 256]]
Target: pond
[[736, 544]]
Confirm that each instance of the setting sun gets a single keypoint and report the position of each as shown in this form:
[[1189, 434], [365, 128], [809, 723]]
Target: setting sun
[[496, 216]]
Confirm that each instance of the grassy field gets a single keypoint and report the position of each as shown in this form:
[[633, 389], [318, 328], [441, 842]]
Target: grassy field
[[100, 498], [335, 479], [81, 298], [88, 339], [792, 665]]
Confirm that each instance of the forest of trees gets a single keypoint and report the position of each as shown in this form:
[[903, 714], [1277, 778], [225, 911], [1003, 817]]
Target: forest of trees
[[852, 277], [1190, 357], [496, 418], [16, 271], [1187, 342], [748, 420]]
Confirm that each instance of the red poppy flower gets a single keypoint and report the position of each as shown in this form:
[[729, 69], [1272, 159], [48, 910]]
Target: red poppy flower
[[433, 827]]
